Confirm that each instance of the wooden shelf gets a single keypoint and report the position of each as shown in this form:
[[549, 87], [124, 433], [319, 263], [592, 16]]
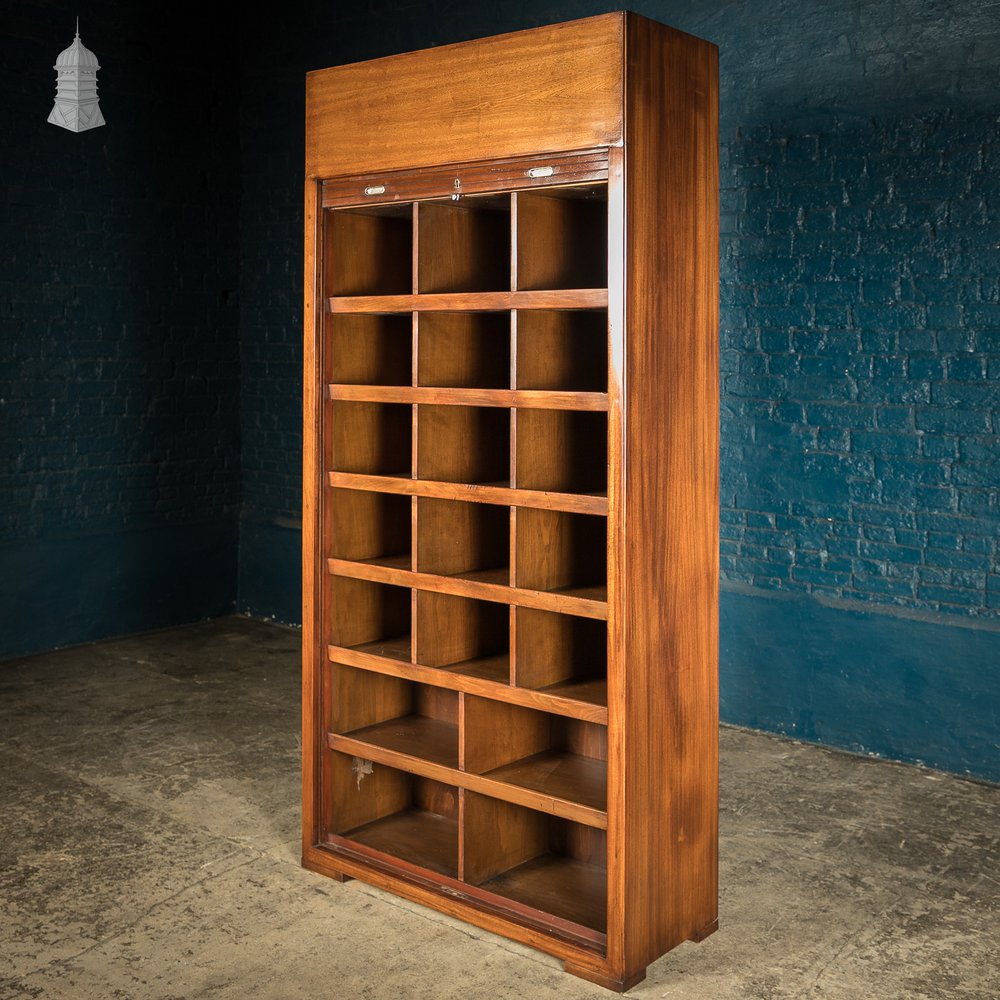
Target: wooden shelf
[[488, 668], [411, 736], [561, 775], [576, 298], [570, 889], [581, 700], [422, 838], [396, 648], [521, 398], [594, 692], [426, 767], [587, 602], [495, 493]]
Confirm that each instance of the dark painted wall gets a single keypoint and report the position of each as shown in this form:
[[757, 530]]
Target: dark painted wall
[[861, 348], [119, 382]]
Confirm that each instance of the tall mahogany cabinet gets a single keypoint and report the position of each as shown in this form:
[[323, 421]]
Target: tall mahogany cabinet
[[510, 565]]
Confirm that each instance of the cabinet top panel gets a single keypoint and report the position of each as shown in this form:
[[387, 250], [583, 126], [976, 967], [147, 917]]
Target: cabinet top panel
[[553, 88]]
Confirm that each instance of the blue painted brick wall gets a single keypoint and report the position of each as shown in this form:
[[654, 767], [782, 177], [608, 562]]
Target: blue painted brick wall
[[861, 359], [119, 377]]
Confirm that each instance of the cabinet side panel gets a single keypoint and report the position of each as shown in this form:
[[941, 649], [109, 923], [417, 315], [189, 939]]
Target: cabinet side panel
[[312, 472], [552, 88], [671, 489]]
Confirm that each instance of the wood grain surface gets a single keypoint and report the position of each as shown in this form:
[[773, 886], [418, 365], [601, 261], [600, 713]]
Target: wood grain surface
[[552, 88], [510, 539], [560, 298], [667, 818]]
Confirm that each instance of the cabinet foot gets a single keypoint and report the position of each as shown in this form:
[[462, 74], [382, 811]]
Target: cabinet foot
[[607, 981], [705, 931], [340, 877]]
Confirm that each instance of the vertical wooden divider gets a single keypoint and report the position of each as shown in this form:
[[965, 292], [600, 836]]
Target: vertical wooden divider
[[415, 439], [512, 630], [462, 804]]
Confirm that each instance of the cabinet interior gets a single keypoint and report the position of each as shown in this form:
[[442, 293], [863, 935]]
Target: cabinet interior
[[426, 764]]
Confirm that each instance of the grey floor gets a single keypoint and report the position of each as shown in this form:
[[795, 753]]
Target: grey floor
[[149, 848]]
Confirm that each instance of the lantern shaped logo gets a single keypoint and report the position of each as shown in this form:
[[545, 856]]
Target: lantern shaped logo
[[76, 106]]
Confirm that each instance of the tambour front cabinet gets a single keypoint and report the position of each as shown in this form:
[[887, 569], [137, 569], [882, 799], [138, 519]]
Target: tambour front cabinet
[[511, 485]]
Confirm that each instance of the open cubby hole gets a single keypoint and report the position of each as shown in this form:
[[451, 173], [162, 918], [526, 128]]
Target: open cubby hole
[[371, 617], [365, 525], [562, 238], [561, 654], [541, 861], [564, 451], [369, 251], [369, 349], [463, 635], [399, 715], [464, 245], [562, 349], [387, 810], [559, 551], [464, 350], [370, 438], [463, 444], [471, 540], [556, 756]]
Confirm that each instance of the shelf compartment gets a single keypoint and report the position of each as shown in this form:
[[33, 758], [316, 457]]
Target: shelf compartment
[[369, 251], [488, 585], [369, 526], [593, 503], [463, 444], [562, 655], [562, 350], [413, 727], [463, 636], [361, 613], [562, 237], [393, 812], [559, 298], [470, 350], [488, 677], [563, 451], [463, 539], [369, 350], [370, 438], [370, 712], [545, 863], [559, 758], [464, 246], [562, 553]]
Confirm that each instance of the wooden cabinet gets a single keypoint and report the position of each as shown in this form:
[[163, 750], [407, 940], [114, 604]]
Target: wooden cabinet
[[510, 565]]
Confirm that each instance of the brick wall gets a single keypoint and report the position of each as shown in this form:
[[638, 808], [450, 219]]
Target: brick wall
[[861, 359], [119, 382]]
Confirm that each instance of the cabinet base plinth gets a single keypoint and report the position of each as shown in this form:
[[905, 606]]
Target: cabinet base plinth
[[310, 863], [592, 976], [705, 931]]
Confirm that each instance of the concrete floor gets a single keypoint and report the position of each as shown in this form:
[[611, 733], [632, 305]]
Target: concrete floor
[[149, 848]]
